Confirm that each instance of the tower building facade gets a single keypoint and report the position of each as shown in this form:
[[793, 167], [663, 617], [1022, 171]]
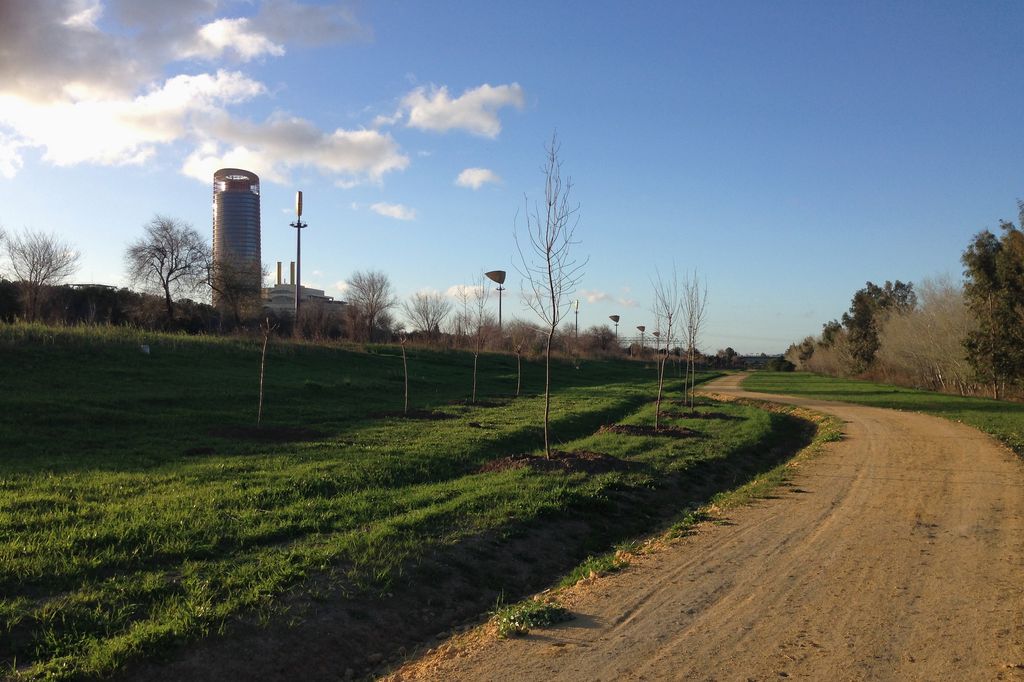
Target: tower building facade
[[236, 232]]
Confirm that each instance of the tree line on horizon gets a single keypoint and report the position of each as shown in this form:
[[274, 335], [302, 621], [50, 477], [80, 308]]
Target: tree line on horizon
[[956, 337], [172, 277]]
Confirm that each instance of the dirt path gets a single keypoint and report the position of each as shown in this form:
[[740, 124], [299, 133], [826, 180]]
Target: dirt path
[[896, 555]]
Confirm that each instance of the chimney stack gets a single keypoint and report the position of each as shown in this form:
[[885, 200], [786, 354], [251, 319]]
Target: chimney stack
[[278, 273], [291, 279]]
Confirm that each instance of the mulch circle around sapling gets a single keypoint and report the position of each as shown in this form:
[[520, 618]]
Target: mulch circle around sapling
[[638, 430], [268, 434], [579, 460]]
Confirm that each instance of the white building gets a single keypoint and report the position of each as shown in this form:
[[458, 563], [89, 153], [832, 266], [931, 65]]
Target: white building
[[280, 298]]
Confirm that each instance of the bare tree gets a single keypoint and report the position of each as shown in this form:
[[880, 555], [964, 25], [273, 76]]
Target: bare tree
[[924, 345], [479, 323], [462, 320], [39, 261], [550, 273], [695, 300], [171, 259], [372, 295], [667, 304], [426, 312], [236, 287], [521, 334]]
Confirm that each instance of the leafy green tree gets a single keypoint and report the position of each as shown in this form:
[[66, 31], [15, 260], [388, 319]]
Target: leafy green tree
[[867, 310], [830, 333], [779, 365], [994, 293]]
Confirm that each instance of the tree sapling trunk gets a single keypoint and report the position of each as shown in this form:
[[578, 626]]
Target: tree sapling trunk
[[267, 328], [405, 369]]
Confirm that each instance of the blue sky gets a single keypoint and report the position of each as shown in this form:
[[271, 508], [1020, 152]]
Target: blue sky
[[787, 151]]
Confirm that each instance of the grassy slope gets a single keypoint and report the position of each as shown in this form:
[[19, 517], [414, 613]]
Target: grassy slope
[[1003, 420], [126, 527]]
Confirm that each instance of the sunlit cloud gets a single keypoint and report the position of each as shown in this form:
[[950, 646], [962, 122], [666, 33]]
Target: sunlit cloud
[[475, 178], [463, 291], [396, 211], [216, 38], [103, 97], [122, 131], [593, 296], [281, 143], [475, 111]]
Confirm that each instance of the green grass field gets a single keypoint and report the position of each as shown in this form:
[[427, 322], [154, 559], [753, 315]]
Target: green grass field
[[1003, 420], [140, 511]]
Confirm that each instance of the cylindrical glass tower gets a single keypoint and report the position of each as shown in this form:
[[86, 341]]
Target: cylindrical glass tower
[[236, 226]]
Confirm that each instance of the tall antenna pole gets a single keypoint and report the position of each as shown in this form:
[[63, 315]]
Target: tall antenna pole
[[298, 225], [577, 320]]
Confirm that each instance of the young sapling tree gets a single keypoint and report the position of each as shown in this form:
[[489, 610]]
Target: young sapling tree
[[267, 328], [405, 369], [695, 300], [549, 271], [666, 311]]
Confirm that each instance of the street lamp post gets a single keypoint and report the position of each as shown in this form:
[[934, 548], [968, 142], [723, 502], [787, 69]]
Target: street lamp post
[[615, 319], [499, 277], [298, 225], [642, 329]]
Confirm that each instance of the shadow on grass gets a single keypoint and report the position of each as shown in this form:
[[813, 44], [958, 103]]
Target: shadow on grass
[[459, 583], [392, 472]]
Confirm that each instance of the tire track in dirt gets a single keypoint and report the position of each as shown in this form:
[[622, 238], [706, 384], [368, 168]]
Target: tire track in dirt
[[898, 554]]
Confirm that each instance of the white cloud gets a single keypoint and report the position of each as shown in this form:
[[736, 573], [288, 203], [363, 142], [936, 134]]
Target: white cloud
[[342, 287], [381, 121], [460, 291], [272, 148], [397, 211], [477, 177], [122, 131], [10, 157], [475, 111], [86, 91], [217, 37], [594, 296], [86, 17], [628, 302]]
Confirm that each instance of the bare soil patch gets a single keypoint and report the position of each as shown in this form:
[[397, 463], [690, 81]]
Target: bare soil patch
[[580, 460], [638, 430]]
